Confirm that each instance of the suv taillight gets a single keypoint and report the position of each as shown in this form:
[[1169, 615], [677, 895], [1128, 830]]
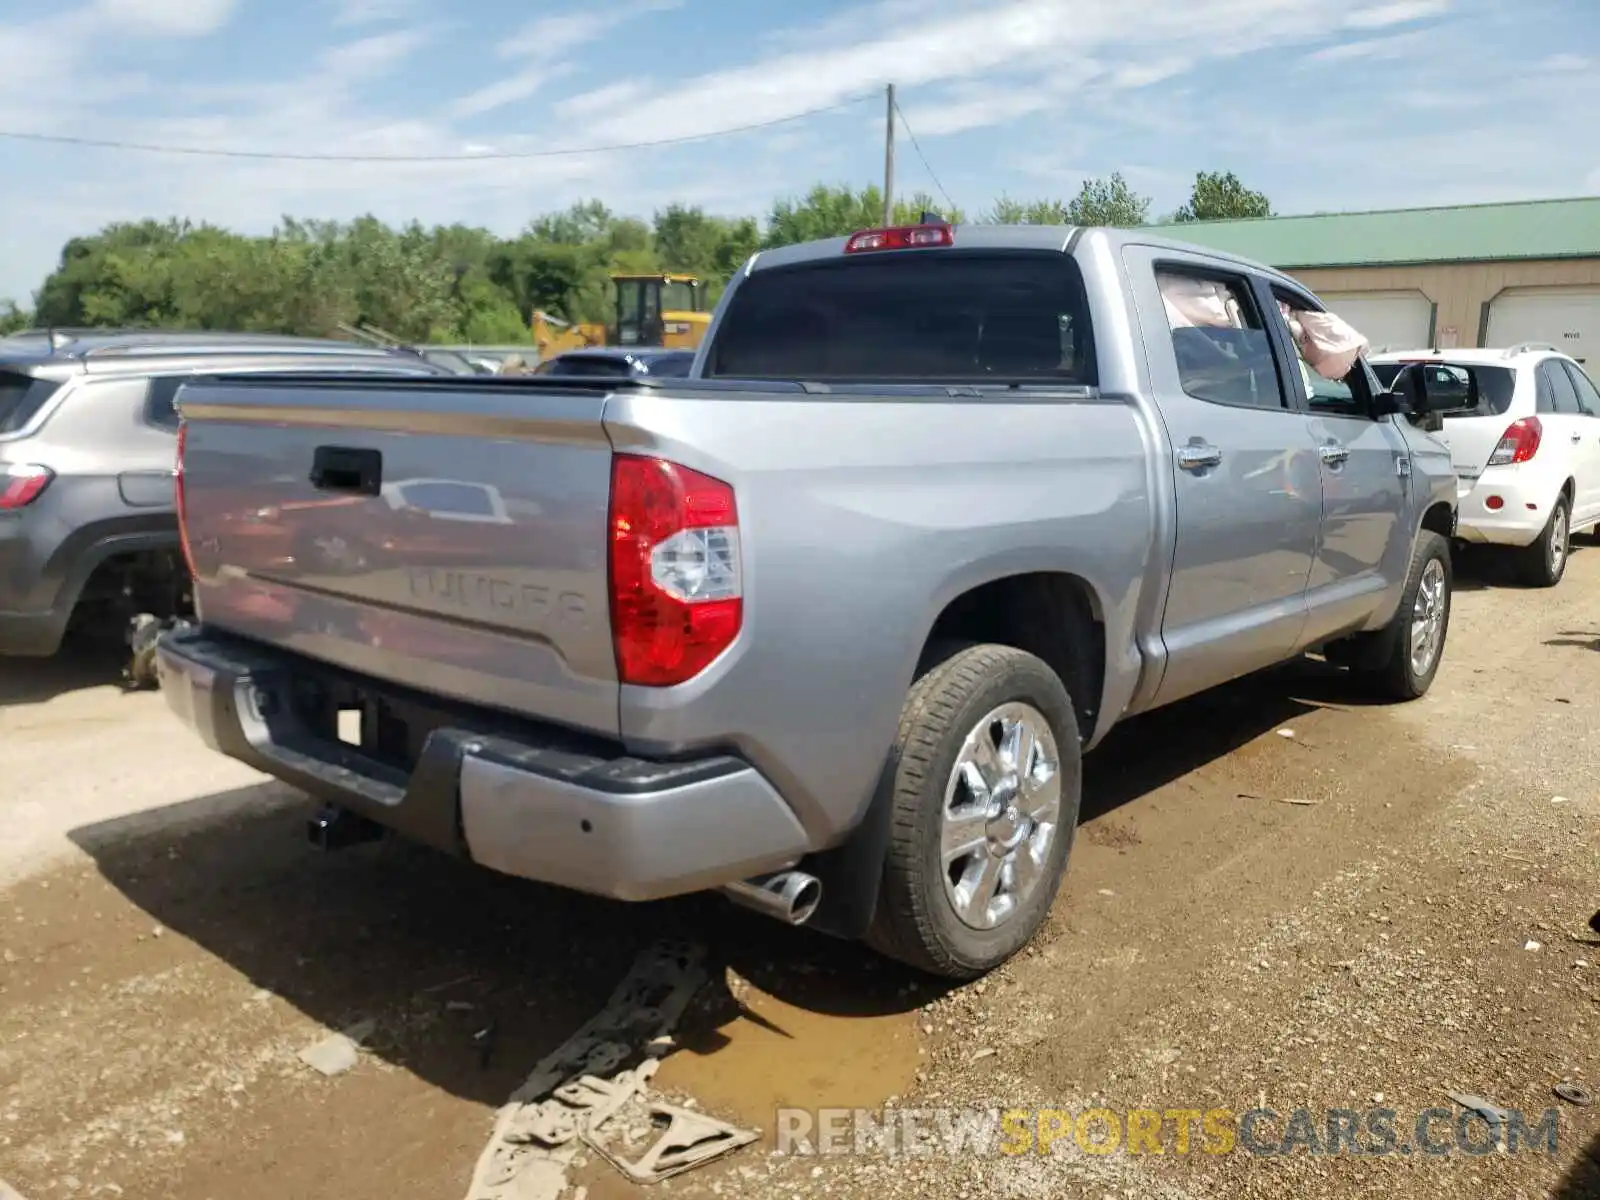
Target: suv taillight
[[1519, 443], [180, 496], [23, 483], [676, 585]]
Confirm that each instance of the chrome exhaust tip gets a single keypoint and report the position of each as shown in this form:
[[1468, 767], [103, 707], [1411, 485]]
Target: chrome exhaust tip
[[788, 896]]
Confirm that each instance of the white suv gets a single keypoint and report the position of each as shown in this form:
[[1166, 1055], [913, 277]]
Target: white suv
[[1527, 458]]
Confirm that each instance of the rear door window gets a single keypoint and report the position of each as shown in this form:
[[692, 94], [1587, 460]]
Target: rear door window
[[21, 398], [1219, 340], [1557, 389], [1588, 397], [914, 316]]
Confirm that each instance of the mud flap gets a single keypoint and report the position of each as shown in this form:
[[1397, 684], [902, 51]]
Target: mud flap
[[852, 872]]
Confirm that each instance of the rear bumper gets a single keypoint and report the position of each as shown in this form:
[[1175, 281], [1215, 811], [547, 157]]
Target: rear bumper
[[28, 628], [1522, 516], [528, 805]]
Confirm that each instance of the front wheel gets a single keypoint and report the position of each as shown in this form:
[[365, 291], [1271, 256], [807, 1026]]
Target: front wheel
[[984, 808], [1413, 645]]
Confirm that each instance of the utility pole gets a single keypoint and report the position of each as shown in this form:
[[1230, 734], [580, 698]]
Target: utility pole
[[888, 159]]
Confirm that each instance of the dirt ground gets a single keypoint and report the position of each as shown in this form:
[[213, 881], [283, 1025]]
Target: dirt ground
[[170, 943]]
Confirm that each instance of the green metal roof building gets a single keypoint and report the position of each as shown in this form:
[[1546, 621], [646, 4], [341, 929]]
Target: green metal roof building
[[1463, 275]]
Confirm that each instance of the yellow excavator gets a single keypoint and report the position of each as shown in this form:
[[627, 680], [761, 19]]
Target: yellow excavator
[[652, 310]]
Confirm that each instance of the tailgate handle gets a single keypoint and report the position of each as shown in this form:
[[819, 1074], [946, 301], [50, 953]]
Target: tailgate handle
[[347, 469]]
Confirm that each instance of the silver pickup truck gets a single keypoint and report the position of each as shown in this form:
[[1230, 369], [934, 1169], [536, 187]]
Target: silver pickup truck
[[829, 625]]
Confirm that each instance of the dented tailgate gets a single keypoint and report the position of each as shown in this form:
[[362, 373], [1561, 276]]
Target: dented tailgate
[[449, 536]]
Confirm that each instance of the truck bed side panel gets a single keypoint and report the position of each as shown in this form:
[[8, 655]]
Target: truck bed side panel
[[860, 521]]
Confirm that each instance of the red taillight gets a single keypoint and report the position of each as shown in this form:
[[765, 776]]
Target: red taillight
[[677, 589], [22, 484], [1519, 443], [180, 495], [901, 237]]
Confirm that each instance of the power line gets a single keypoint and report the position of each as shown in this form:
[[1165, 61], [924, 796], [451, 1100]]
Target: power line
[[917, 146], [264, 155]]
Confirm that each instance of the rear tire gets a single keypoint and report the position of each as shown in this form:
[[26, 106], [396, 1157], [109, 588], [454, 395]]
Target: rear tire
[[984, 806], [1408, 653], [1543, 563]]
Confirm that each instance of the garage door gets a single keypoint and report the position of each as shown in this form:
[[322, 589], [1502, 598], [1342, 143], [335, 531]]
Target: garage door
[[1388, 320], [1566, 318]]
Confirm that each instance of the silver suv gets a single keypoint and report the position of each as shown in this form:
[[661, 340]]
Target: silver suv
[[88, 530]]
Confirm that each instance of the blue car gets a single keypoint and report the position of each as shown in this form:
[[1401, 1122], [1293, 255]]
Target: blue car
[[619, 361]]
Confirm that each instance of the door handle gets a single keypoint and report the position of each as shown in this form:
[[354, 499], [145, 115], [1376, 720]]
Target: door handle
[[1333, 455], [1577, 437], [1197, 455], [347, 469]]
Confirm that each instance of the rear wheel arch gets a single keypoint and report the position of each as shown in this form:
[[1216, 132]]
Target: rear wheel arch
[[1055, 615]]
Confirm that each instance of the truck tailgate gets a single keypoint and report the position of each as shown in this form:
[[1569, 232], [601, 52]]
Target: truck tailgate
[[445, 535]]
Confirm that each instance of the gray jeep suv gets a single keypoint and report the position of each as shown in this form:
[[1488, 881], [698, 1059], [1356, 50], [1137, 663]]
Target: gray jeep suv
[[88, 529]]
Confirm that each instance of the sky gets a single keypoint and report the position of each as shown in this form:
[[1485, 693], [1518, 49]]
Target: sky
[[1325, 105]]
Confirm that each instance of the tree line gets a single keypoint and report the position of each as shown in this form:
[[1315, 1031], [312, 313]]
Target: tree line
[[458, 283]]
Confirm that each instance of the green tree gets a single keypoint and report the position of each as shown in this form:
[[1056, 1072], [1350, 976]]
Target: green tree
[[836, 211], [462, 283], [13, 318], [1108, 201], [689, 240], [1219, 196], [1007, 211], [581, 224]]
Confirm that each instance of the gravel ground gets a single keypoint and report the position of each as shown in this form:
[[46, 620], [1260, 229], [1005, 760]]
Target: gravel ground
[[1413, 923]]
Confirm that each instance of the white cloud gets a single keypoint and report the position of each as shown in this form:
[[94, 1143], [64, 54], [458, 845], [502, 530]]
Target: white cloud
[[612, 96], [181, 18], [507, 91], [1380, 48], [1567, 62], [1397, 13], [370, 12], [542, 45], [373, 56], [1034, 42]]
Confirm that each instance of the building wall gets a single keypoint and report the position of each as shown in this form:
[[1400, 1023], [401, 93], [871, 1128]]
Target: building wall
[[1461, 290]]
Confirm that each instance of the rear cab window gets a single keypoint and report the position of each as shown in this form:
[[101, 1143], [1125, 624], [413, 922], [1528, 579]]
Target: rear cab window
[[918, 316], [21, 398]]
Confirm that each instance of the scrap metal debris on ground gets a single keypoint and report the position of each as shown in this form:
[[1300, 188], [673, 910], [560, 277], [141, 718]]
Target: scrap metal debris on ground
[[337, 1053], [689, 1139], [581, 1086]]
